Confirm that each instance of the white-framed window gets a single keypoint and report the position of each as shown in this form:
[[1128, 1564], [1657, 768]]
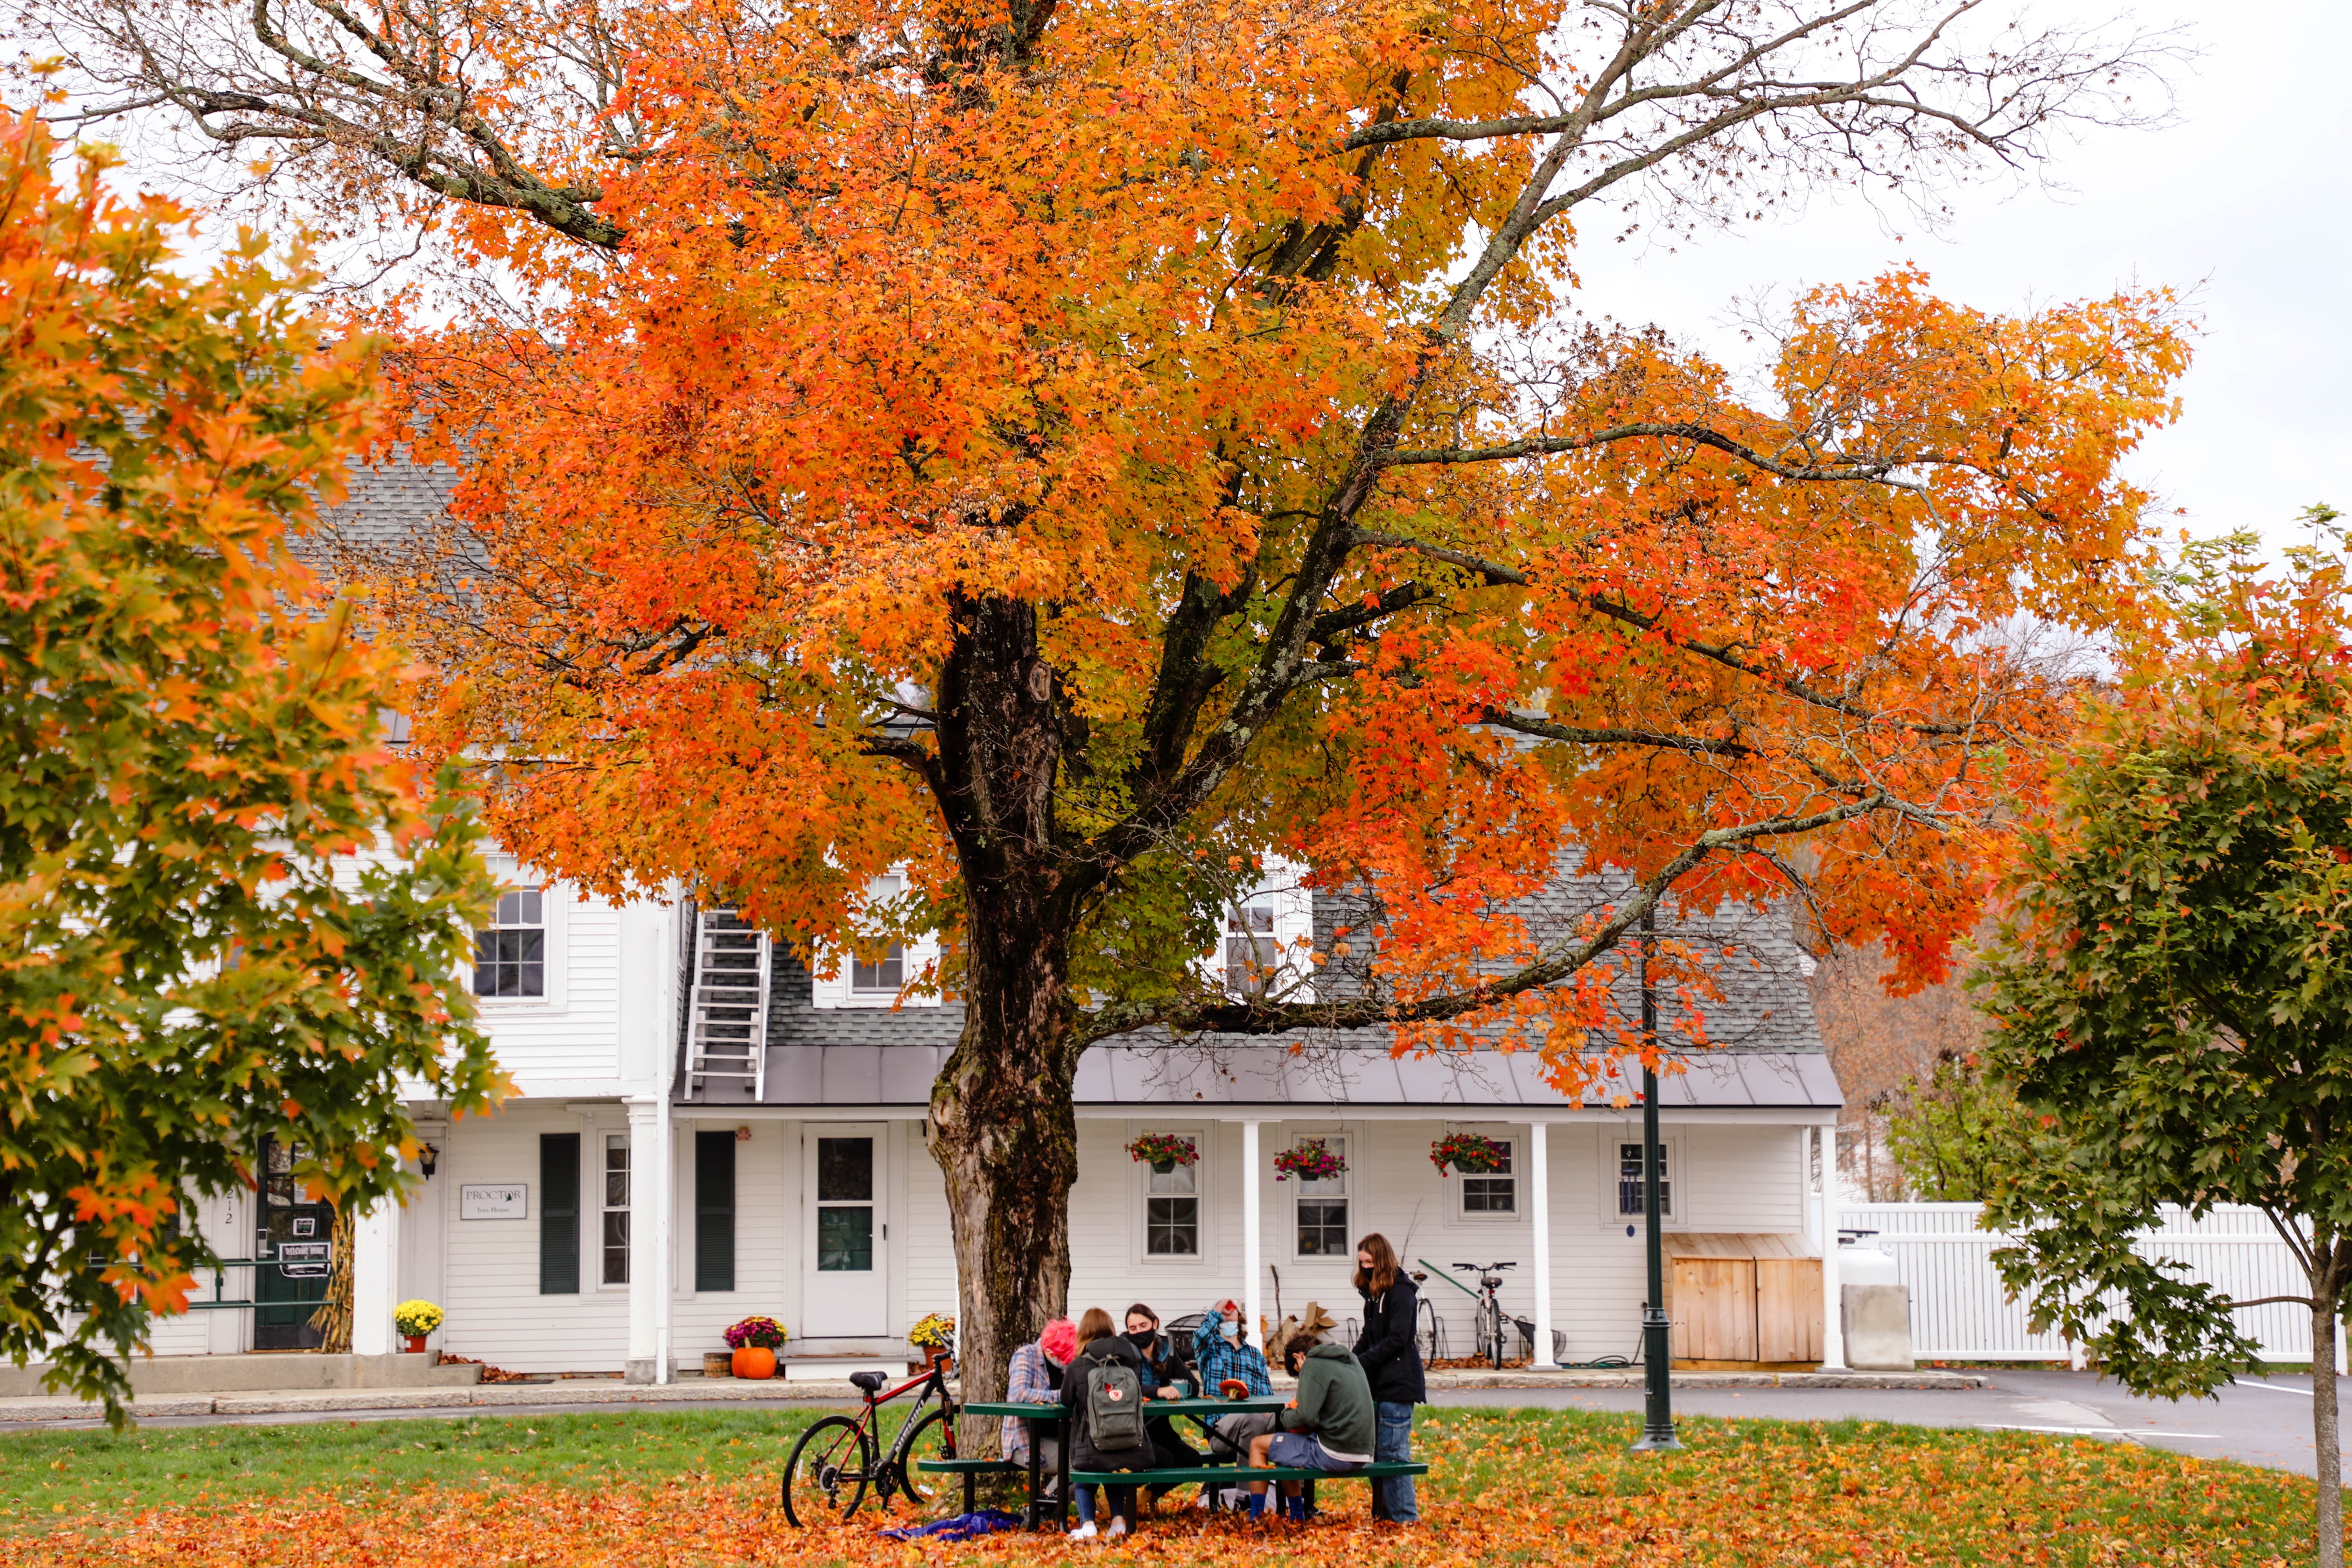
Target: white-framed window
[[1169, 1210], [615, 1232], [1632, 1179], [876, 976], [1320, 1220], [884, 972], [1171, 1213], [1250, 960], [511, 956], [1490, 1195], [519, 956], [1261, 936]]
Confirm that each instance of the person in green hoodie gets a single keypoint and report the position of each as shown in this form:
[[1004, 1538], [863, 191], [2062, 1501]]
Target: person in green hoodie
[[1329, 1425]]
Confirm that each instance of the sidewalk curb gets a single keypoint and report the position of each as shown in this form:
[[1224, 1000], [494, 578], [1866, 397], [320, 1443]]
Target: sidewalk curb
[[731, 1391], [1634, 1378]]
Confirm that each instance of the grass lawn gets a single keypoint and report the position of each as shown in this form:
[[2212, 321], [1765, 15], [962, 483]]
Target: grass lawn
[[1511, 1486]]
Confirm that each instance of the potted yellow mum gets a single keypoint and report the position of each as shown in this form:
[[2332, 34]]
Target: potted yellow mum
[[414, 1320]]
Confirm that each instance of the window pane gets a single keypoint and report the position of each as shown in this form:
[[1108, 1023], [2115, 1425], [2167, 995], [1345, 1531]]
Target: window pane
[[1328, 1185], [617, 1173], [844, 1170], [1249, 964], [888, 975], [616, 1246], [845, 1239], [1172, 1228], [1176, 1179], [1488, 1195], [1322, 1227], [1256, 918]]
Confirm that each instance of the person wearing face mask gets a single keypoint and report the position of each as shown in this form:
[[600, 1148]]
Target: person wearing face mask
[[1222, 1349], [1163, 1374]]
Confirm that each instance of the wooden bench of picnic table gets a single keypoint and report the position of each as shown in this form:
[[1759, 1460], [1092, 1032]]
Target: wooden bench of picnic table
[[1200, 1410], [1223, 1475]]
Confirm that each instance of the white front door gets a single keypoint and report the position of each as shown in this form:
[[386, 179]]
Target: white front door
[[842, 1177]]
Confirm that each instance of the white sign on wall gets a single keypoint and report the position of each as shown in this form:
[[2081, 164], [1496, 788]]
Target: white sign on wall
[[493, 1202]]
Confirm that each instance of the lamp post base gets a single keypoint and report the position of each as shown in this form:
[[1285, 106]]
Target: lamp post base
[[1658, 1409]]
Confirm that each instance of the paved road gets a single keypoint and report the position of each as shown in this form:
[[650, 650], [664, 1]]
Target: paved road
[[2264, 1421]]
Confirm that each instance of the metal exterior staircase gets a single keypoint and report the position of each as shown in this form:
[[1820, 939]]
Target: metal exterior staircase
[[727, 1006]]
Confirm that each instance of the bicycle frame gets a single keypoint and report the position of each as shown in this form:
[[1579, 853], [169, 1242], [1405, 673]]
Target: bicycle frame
[[934, 1380]]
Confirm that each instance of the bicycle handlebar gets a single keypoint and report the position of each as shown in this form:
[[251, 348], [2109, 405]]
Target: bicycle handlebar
[[1475, 1268]]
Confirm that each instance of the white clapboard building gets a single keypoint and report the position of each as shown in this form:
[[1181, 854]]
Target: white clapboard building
[[706, 1131]]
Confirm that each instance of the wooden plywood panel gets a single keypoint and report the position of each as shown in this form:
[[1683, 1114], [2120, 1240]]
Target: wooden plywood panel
[[1788, 1309], [1713, 1309]]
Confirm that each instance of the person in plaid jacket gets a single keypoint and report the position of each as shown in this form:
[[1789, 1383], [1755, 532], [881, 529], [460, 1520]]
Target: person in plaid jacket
[[1220, 1349]]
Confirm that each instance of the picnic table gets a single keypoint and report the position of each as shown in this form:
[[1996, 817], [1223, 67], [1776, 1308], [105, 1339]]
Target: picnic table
[[1199, 1411]]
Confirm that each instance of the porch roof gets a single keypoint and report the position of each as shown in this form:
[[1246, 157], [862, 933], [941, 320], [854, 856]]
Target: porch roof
[[1207, 1077]]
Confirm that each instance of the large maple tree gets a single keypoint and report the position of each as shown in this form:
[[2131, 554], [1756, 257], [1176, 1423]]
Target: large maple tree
[[1073, 450]]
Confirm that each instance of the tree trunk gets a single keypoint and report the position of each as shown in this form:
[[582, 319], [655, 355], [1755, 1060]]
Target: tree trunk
[[1002, 1126], [2326, 1295]]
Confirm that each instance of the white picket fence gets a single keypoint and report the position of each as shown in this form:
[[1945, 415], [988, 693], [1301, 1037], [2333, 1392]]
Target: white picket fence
[[1959, 1310]]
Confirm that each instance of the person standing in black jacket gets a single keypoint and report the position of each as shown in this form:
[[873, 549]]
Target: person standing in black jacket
[[1391, 1355]]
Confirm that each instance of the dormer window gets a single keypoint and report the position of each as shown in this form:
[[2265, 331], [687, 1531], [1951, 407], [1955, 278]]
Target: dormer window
[[1251, 953], [511, 957], [885, 974]]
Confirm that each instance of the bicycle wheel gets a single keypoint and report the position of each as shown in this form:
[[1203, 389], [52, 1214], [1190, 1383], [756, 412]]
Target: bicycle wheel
[[932, 1438], [825, 1481], [1490, 1330]]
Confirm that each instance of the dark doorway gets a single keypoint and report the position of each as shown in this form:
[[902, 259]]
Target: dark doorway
[[294, 1242]]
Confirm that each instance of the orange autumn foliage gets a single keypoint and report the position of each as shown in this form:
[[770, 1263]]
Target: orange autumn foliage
[[1511, 1492], [1077, 451]]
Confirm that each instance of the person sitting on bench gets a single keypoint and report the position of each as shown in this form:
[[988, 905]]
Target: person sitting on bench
[[1222, 1352], [1331, 1425]]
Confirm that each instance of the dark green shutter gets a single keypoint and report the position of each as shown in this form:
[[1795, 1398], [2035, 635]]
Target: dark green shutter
[[559, 1214], [714, 1211]]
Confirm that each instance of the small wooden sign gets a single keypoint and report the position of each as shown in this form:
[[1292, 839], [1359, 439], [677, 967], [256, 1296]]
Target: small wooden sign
[[493, 1202]]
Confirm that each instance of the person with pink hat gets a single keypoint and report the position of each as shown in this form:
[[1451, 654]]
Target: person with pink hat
[[1035, 1378]]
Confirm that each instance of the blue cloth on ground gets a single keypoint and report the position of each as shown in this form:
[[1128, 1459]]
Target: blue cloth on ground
[[962, 1527]]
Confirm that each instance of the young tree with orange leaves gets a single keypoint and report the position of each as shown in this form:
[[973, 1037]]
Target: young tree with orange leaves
[[194, 741], [1074, 450]]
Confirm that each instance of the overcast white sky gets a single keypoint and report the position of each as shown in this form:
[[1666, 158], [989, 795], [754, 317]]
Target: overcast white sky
[[2247, 200]]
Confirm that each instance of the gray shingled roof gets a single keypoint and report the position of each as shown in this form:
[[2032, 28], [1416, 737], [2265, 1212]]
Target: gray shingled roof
[[1764, 1047]]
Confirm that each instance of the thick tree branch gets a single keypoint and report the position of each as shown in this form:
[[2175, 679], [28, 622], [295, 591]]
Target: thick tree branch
[[1563, 960]]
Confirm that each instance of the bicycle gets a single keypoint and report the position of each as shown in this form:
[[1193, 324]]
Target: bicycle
[[1488, 1336], [834, 1460]]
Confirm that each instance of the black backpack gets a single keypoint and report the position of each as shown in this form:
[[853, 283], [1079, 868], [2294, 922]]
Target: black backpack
[[1115, 1408]]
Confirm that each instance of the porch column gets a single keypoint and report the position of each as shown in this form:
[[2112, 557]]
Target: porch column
[[375, 1254], [648, 1201], [1539, 1211], [1253, 1293], [1832, 1303]]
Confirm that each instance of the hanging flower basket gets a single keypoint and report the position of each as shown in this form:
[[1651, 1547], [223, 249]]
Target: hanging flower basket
[[1311, 1159], [1163, 1151], [1472, 1154]]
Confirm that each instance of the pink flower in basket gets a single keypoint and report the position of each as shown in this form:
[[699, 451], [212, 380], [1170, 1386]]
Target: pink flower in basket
[[757, 1334], [1311, 1159]]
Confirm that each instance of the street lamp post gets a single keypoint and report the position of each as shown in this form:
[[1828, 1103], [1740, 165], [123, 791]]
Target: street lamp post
[[1657, 1364]]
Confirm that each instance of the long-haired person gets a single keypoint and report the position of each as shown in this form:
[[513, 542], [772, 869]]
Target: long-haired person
[[1100, 1350], [1391, 1357]]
